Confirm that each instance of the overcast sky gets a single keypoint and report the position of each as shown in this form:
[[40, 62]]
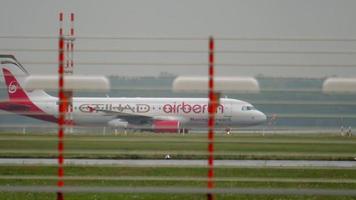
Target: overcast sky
[[187, 18]]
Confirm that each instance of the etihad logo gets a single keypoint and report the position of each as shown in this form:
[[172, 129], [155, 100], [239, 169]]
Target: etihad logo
[[13, 87], [189, 108], [134, 108]]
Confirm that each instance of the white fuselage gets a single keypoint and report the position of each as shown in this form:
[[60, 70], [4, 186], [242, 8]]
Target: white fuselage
[[190, 112], [176, 113]]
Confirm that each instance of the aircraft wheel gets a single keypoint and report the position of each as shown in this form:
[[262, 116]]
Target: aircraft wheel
[[228, 131]]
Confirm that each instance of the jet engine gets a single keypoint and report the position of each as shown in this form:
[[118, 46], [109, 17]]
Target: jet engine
[[170, 126]]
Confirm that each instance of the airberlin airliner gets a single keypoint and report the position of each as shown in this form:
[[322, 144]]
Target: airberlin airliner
[[157, 114]]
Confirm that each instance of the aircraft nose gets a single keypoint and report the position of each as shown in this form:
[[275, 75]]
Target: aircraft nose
[[261, 117]]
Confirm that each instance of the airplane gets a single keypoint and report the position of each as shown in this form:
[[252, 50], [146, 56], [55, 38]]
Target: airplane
[[156, 114]]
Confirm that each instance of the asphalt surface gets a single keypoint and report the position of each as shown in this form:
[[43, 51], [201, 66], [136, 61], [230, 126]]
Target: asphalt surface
[[183, 163]]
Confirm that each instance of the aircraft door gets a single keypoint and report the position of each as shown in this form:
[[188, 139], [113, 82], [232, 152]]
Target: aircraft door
[[224, 114]]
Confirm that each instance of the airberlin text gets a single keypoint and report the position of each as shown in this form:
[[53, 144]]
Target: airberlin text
[[189, 108]]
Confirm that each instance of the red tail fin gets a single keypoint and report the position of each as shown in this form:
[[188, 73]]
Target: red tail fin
[[14, 89], [19, 100]]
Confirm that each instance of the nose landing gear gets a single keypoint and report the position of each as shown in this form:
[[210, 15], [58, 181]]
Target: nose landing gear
[[228, 131], [183, 130]]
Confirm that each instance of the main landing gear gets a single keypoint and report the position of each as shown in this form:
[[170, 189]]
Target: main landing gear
[[183, 130], [228, 131]]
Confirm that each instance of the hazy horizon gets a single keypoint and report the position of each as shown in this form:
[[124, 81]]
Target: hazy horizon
[[197, 18]]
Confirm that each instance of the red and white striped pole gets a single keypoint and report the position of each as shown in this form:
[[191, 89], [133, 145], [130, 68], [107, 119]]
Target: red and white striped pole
[[61, 109], [70, 46], [72, 41], [70, 65], [213, 102], [67, 52], [70, 69]]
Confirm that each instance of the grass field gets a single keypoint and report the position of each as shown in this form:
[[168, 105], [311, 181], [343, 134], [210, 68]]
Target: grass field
[[180, 177], [189, 146]]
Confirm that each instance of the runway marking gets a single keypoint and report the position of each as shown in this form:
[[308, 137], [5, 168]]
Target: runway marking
[[182, 163], [181, 178], [182, 140], [164, 152]]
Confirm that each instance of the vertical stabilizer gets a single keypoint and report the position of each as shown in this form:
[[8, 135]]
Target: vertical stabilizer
[[14, 74], [14, 89]]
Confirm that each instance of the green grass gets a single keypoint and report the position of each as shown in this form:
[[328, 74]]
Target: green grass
[[30, 196], [181, 172], [191, 146], [267, 175]]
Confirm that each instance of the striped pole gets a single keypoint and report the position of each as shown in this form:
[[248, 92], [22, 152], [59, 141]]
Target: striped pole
[[69, 70], [61, 109], [213, 101], [71, 66], [72, 41]]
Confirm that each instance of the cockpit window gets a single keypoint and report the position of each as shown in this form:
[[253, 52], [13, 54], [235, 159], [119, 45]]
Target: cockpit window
[[245, 108]]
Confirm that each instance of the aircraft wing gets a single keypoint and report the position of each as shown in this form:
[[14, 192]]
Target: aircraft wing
[[134, 118], [130, 118]]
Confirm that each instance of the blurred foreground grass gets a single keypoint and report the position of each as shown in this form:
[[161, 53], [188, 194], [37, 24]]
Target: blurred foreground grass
[[189, 146]]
